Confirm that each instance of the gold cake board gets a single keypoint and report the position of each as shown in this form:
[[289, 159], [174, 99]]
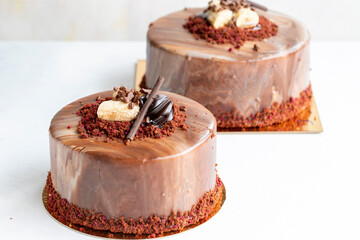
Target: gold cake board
[[107, 234], [308, 121]]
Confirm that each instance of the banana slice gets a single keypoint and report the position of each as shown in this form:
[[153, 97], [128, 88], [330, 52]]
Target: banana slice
[[246, 18], [219, 19], [117, 111]]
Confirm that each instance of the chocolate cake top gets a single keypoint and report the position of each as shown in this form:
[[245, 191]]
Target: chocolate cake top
[[107, 136], [168, 33]]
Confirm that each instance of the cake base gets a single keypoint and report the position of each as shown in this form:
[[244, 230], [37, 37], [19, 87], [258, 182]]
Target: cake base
[[80, 219], [277, 113]]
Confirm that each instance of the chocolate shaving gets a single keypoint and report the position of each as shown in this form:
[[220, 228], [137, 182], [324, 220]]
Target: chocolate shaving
[[144, 109], [256, 48], [125, 95], [145, 91], [234, 5], [130, 96], [114, 96], [131, 105], [183, 108], [136, 98]]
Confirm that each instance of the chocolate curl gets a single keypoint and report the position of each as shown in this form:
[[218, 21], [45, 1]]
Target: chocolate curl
[[144, 109], [256, 5]]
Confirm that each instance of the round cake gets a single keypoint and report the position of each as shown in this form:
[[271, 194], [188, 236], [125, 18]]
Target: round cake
[[164, 180], [256, 78]]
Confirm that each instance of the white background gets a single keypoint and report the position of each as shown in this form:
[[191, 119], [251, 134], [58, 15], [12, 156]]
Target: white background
[[112, 20], [279, 186]]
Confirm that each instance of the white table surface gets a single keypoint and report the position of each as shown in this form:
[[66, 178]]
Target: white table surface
[[279, 186]]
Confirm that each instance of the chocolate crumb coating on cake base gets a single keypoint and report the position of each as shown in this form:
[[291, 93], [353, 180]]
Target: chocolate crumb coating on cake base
[[143, 227], [298, 123], [268, 116]]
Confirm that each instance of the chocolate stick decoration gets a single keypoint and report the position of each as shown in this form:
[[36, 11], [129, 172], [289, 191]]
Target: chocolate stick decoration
[[145, 108], [256, 5]]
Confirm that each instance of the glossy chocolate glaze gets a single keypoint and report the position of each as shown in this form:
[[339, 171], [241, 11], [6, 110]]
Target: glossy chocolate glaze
[[160, 111], [150, 176], [243, 80]]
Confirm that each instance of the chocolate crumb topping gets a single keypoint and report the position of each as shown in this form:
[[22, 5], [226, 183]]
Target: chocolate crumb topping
[[256, 48], [200, 28], [92, 126]]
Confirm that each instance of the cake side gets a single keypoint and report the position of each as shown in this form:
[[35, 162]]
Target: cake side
[[223, 86], [147, 177], [97, 224]]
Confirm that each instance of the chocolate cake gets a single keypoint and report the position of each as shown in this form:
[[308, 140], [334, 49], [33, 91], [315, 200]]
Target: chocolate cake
[[248, 65], [163, 179]]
